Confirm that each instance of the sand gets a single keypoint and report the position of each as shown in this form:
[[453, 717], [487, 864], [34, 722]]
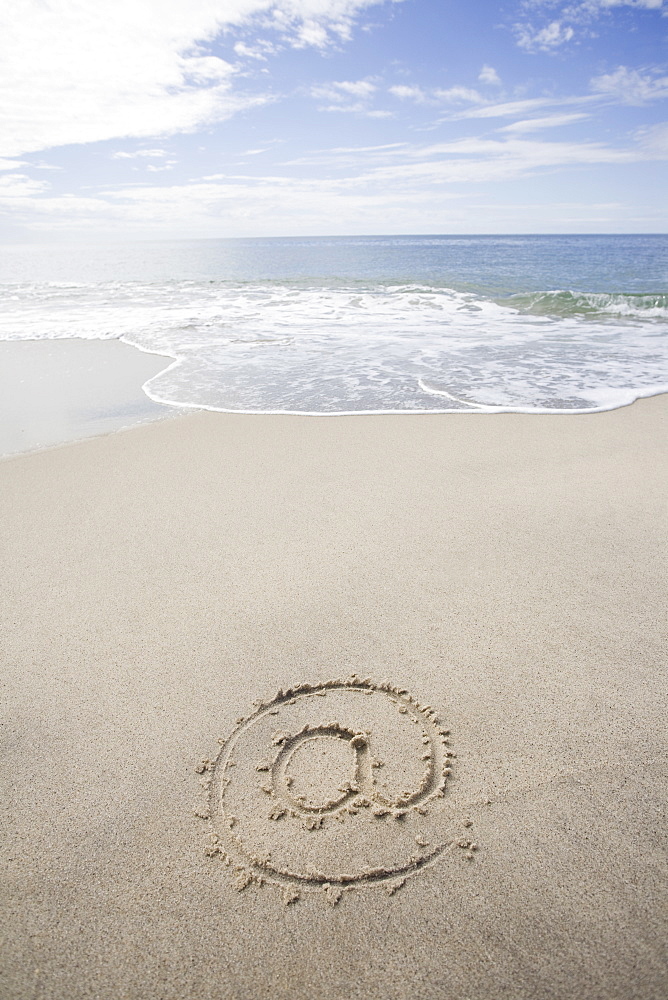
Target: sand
[[438, 642]]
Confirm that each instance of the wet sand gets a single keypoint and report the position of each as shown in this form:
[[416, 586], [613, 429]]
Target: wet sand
[[56, 391], [505, 574]]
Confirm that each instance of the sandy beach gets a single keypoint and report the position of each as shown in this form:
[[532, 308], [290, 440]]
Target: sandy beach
[[506, 574]]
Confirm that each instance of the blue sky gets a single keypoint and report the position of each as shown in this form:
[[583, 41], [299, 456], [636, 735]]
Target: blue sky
[[213, 118]]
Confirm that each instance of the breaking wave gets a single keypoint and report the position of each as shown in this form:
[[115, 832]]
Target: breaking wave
[[603, 305]]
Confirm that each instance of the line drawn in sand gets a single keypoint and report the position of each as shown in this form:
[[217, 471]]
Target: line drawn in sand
[[331, 787]]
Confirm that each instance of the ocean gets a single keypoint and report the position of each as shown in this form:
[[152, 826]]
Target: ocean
[[383, 324]]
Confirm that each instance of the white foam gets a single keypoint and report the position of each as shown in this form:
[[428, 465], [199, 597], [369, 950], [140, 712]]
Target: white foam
[[285, 347]]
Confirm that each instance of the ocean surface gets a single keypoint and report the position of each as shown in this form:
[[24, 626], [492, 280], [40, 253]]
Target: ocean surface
[[559, 324]]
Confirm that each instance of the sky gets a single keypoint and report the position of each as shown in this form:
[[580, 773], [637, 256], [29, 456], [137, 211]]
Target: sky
[[156, 119]]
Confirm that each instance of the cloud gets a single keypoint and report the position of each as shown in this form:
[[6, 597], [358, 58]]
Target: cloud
[[642, 4], [18, 188], [353, 189], [459, 95], [478, 159], [260, 51], [548, 121], [353, 88], [348, 95], [342, 156], [511, 109], [12, 164], [593, 8], [76, 73], [646, 4], [653, 139], [153, 153], [571, 15], [436, 95], [545, 39], [489, 76], [629, 86], [586, 11], [469, 159], [409, 93]]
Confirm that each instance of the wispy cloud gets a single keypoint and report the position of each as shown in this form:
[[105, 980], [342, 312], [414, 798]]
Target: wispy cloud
[[631, 86], [548, 121], [585, 10], [341, 90], [11, 164], [483, 160], [349, 96], [408, 92], [624, 85], [436, 95], [653, 139], [123, 154], [18, 188], [642, 4], [459, 95], [512, 109], [411, 182], [260, 50], [473, 158]]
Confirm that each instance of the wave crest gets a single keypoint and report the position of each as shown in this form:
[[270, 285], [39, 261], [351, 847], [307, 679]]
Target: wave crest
[[593, 305]]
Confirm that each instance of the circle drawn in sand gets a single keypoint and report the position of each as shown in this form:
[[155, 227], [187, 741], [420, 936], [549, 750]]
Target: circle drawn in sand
[[331, 787]]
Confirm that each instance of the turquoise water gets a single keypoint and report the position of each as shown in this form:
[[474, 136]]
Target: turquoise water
[[363, 324]]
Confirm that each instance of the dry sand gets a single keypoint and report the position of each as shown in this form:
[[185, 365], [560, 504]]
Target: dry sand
[[509, 570]]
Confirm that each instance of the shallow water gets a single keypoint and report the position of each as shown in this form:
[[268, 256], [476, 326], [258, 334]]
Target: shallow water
[[365, 324]]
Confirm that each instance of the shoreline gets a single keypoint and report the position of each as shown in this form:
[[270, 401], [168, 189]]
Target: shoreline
[[511, 573], [77, 388]]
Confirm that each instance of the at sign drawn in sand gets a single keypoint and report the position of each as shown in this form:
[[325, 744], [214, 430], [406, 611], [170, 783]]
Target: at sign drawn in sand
[[332, 787]]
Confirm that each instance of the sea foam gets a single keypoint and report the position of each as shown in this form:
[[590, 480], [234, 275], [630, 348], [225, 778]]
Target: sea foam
[[363, 347]]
